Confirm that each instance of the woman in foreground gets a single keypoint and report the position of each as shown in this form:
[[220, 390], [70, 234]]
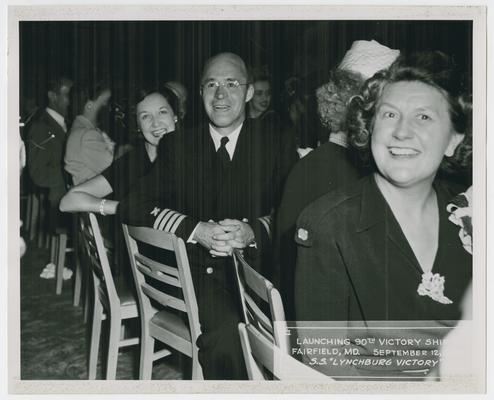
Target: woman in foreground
[[383, 249]]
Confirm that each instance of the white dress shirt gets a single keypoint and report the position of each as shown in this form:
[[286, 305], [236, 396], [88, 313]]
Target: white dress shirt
[[58, 118], [232, 139]]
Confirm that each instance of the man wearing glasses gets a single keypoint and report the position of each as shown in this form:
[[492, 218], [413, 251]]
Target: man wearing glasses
[[216, 188]]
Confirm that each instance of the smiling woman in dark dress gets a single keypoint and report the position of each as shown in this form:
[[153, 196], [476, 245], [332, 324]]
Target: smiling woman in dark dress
[[383, 249], [155, 120]]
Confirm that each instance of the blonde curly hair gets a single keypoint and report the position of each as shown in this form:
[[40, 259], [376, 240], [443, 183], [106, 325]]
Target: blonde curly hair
[[333, 97]]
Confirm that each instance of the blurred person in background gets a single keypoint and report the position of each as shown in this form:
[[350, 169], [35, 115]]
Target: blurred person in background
[[46, 145], [260, 106], [89, 150]]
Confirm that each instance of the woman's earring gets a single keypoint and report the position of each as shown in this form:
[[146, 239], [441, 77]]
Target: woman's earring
[[175, 119]]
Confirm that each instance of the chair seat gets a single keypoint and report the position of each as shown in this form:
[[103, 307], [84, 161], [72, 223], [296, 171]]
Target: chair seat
[[172, 323]]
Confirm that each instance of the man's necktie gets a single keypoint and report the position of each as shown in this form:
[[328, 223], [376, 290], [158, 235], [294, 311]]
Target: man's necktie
[[222, 152]]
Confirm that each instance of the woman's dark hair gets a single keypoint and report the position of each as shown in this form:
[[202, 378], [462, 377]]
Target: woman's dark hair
[[433, 68], [87, 91], [258, 74], [145, 91]]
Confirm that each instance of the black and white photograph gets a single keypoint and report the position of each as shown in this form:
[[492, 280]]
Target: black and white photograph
[[246, 199]]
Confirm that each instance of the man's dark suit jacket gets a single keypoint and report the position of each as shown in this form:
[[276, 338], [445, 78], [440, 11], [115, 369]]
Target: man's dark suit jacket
[[45, 152], [46, 147]]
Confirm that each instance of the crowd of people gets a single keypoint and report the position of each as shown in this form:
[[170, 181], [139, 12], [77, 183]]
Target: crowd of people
[[356, 230]]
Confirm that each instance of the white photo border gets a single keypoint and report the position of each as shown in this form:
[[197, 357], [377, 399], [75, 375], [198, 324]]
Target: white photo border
[[211, 12]]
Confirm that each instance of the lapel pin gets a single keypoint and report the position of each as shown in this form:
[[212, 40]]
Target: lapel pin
[[302, 234]]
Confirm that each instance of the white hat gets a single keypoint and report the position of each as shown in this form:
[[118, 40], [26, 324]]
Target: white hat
[[368, 57]]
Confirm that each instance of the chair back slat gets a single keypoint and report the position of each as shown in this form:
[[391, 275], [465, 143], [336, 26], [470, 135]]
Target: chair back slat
[[173, 271], [97, 253], [147, 235], [178, 276], [255, 281], [257, 317], [163, 298], [158, 275]]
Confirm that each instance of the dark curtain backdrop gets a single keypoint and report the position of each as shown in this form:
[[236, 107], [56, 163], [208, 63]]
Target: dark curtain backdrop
[[128, 53]]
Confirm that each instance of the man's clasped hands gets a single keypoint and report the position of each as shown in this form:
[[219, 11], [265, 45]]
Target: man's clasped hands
[[222, 237]]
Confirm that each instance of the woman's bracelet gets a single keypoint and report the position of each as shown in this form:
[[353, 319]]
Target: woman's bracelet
[[102, 207]]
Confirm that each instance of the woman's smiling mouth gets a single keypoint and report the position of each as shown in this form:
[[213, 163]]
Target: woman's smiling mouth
[[403, 151], [159, 132]]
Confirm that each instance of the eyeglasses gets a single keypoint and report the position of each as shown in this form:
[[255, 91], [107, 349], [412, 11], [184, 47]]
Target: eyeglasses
[[229, 85]]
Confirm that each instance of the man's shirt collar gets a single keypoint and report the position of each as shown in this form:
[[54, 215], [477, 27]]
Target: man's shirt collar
[[232, 142]]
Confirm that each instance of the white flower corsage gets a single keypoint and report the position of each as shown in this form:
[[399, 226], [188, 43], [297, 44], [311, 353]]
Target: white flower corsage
[[460, 210], [433, 286]]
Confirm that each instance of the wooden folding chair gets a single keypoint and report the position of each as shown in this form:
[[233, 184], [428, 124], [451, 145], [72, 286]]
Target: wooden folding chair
[[255, 289], [116, 302], [264, 339], [262, 355], [158, 305]]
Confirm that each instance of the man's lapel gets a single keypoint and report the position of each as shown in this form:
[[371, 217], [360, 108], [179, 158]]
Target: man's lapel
[[244, 138], [54, 127]]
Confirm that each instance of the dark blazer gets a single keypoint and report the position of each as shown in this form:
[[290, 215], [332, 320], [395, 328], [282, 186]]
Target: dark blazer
[[354, 262], [46, 147], [327, 168]]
